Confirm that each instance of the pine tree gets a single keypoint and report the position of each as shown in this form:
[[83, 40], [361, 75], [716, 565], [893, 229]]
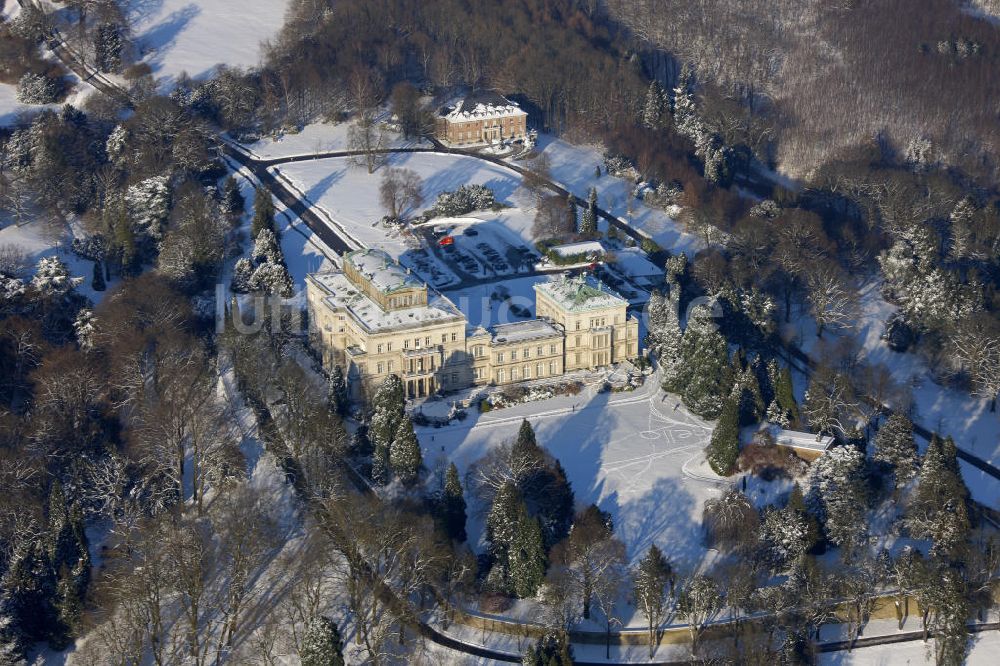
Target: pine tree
[[724, 447], [649, 589], [527, 559], [895, 446], [266, 248], [336, 391], [704, 358], [108, 47], [838, 490], [652, 111], [30, 587], [322, 645], [263, 212], [939, 506], [453, 506], [676, 272], [777, 416], [668, 337], [571, 217], [552, 649], [52, 278], [552, 500], [380, 465], [11, 639], [387, 412], [272, 279], [501, 529], [588, 223], [404, 453], [784, 394], [242, 275], [98, 283], [84, 328], [232, 200], [525, 446], [797, 504], [750, 397]]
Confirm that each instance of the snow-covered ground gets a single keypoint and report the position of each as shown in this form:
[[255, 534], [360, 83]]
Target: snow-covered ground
[[38, 238], [945, 410], [184, 36], [320, 138], [573, 167], [10, 108], [349, 195], [629, 453], [983, 649]]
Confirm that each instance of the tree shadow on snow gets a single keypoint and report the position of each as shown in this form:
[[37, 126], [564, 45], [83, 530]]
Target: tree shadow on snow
[[316, 192], [161, 37]]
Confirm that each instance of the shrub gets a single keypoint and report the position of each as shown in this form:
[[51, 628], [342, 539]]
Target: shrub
[[40, 89], [769, 461], [465, 199]]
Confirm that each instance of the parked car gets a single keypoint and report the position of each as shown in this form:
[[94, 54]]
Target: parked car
[[469, 231]]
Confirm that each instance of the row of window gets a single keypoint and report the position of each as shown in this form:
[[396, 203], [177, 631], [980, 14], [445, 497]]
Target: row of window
[[525, 353], [596, 322], [402, 301], [410, 364], [524, 372], [379, 349]]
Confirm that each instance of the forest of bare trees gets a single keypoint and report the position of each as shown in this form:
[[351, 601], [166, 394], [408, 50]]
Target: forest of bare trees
[[833, 74]]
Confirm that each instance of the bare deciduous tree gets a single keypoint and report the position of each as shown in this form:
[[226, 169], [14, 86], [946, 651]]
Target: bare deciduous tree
[[400, 191], [833, 301]]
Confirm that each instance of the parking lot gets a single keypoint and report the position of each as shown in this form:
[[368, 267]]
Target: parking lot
[[480, 248]]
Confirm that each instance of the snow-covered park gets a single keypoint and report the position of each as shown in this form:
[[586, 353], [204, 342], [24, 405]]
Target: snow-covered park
[[635, 455]]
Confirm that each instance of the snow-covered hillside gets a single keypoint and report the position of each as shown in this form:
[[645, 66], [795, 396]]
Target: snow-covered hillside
[[185, 36]]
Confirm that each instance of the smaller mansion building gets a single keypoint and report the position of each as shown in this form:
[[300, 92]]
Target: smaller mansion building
[[481, 118], [374, 318]]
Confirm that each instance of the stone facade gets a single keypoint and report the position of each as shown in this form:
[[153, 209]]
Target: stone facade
[[481, 118], [375, 319]]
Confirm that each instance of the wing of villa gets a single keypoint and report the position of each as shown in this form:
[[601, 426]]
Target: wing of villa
[[374, 318], [481, 118]]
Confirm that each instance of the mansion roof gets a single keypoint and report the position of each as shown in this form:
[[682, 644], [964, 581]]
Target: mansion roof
[[381, 270], [342, 294], [574, 294], [523, 331], [482, 106]]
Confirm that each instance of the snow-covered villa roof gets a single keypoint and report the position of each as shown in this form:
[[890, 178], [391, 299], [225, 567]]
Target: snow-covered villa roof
[[580, 293], [381, 270], [523, 331], [583, 247], [482, 106], [345, 295], [802, 440]]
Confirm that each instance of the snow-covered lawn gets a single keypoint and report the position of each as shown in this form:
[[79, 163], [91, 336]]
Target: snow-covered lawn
[[629, 453], [38, 239], [10, 108], [573, 167], [184, 36], [349, 195], [320, 138]]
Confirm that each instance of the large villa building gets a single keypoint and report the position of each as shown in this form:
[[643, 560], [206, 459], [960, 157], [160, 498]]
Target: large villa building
[[374, 318], [481, 118]]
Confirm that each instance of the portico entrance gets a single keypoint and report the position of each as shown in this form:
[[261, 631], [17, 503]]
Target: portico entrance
[[419, 388]]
